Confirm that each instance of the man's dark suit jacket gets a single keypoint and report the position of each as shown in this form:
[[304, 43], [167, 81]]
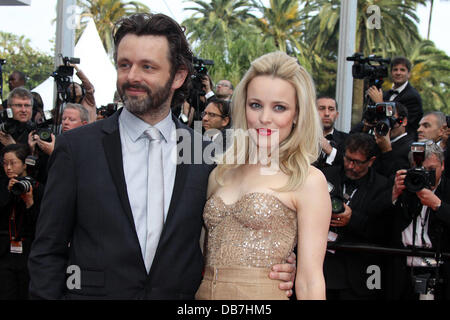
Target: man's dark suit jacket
[[388, 163], [86, 220], [349, 269], [411, 99], [438, 231], [337, 141]]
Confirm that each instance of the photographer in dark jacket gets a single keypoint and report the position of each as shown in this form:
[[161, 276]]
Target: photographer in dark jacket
[[19, 209], [395, 145], [421, 220], [366, 194]]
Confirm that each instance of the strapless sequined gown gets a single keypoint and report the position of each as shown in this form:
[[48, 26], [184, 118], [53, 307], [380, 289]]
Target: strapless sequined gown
[[244, 240]]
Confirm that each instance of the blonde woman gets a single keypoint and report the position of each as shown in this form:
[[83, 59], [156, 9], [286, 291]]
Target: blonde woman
[[264, 197]]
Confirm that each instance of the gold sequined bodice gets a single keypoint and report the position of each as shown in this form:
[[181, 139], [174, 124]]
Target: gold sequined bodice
[[256, 231]]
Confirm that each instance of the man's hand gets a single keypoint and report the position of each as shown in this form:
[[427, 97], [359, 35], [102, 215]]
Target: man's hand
[[341, 219], [32, 141], [375, 94], [384, 142], [285, 272], [428, 198], [206, 84], [399, 184], [6, 139], [326, 146], [46, 147]]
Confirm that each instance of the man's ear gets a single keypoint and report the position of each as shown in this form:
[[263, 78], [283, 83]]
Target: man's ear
[[371, 161], [180, 77]]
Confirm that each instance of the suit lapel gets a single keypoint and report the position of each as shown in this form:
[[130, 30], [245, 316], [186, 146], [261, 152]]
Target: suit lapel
[[113, 152]]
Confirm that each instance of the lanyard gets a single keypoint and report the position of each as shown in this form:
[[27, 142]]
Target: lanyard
[[347, 197]]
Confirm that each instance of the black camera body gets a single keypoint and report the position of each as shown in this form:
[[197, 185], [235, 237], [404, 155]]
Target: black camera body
[[23, 185], [11, 126], [108, 110], [381, 116], [200, 71], [337, 204], [196, 90], [364, 69], [418, 177]]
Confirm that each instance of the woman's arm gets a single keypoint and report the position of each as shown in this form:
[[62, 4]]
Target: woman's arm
[[313, 213]]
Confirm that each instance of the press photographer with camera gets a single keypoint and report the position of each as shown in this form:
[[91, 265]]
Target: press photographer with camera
[[359, 198], [15, 128], [394, 146], [402, 92], [421, 220], [74, 115], [83, 93], [16, 79], [20, 197]]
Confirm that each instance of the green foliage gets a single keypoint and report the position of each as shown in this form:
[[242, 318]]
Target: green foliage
[[21, 56], [105, 13]]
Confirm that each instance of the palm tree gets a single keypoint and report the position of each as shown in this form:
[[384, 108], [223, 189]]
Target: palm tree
[[215, 21], [284, 21], [105, 13]]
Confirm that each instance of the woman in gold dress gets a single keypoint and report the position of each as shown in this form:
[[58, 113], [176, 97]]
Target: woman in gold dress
[[264, 197]]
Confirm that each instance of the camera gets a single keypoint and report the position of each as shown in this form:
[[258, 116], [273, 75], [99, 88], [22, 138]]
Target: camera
[[381, 116], [23, 185], [63, 76], [337, 204], [108, 110], [337, 200], [418, 177], [364, 69], [200, 71], [9, 125], [44, 129], [197, 91]]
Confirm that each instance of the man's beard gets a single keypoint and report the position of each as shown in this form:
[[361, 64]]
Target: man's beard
[[152, 102]]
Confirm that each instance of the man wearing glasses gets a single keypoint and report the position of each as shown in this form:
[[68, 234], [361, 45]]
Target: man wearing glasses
[[365, 195], [224, 89], [20, 103]]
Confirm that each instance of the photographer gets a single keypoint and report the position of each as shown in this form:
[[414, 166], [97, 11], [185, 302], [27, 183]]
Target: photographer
[[402, 92], [332, 142], [15, 129], [422, 220], [83, 94], [359, 198], [74, 116], [395, 145], [19, 208]]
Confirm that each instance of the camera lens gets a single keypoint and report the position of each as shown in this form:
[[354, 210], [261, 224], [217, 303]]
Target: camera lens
[[45, 135], [337, 205], [21, 187]]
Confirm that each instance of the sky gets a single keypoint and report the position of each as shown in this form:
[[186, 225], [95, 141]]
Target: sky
[[35, 22]]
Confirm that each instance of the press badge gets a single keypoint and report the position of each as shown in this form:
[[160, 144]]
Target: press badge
[[16, 247]]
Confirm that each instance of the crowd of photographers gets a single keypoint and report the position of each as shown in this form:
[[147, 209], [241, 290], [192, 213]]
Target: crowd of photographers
[[390, 194], [386, 178]]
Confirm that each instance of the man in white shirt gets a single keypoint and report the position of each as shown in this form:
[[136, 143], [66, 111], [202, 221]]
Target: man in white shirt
[[402, 92], [422, 220]]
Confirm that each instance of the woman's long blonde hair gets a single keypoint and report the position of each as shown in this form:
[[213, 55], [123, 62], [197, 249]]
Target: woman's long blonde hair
[[301, 147]]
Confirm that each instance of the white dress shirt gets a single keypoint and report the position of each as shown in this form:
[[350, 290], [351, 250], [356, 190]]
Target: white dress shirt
[[399, 89], [135, 147]]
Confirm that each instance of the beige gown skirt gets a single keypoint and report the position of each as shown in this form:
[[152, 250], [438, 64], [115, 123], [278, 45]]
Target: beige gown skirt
[[239, 283]]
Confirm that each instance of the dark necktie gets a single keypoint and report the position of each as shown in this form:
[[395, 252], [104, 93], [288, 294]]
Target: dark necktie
[[329, 137]]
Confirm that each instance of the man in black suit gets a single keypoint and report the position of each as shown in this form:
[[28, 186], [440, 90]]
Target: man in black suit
[[366, 194], [402, 92], [395, 145], [422, 219], [122, 212], [332, 142]]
